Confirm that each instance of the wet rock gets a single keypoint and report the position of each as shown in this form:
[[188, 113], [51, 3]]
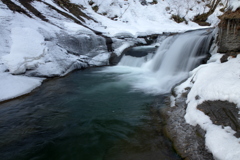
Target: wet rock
[[227, 55], [222, 113], [189, 141], [114, 59]]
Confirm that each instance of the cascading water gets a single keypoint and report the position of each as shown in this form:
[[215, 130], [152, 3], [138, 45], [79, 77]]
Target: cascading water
[[175, 57], [133, 61]]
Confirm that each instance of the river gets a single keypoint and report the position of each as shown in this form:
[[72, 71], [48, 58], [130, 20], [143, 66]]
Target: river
[[87, 115]]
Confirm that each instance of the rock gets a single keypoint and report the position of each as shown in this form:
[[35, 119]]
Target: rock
[[188, 141], [222, 113], [114, 59], [229, 32]]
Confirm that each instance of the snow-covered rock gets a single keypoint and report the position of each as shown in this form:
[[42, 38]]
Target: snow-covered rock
[[26, 50], [211, 82], [36, 48], [234, 4]]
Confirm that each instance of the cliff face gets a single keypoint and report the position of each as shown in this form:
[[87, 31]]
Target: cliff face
[[229, 32]]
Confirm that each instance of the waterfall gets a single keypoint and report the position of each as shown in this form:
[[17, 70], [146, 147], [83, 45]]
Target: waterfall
[[134, 61], [175, 57], [137, 56]]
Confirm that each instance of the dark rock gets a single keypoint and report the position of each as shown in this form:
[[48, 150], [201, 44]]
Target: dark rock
[[189, 141], [109, 43], [114, 59], [222, 113], [14, 7], [27, 4], [140, 51], [229, 32], [226, 55], [143, 2]]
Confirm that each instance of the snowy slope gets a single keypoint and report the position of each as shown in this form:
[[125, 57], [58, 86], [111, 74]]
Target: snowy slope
[[133, 18], [33, 47]]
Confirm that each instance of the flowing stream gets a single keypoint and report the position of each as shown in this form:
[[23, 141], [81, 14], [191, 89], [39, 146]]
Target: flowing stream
[[102, 113]]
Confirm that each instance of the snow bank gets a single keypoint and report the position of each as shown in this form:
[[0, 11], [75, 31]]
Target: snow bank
[[14, 86], [234, 4], [27, 48], [214, 81]]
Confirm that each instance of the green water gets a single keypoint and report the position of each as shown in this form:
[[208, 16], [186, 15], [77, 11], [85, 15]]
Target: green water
[[87, 115]]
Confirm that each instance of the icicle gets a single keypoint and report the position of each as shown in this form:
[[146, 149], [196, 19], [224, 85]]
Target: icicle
[[228, 27]]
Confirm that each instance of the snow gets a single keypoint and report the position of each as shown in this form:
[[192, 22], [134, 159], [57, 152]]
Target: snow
[[132, 17], [214, 81], [14, 86], [234, 4], [27, 48], [76, 28], [100, 60], [120, 49]]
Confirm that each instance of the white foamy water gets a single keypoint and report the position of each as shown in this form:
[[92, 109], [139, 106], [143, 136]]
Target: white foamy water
[[176, 56]]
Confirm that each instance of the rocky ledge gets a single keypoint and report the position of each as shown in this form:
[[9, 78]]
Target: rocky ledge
[[189, 141]]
